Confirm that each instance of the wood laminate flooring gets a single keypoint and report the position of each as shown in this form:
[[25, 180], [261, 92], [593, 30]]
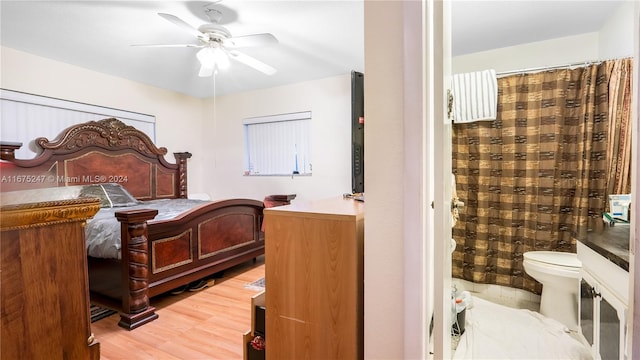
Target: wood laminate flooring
[[207, 324]]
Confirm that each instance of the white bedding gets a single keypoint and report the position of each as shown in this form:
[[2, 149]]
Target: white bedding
[[496, 332], [103, 231]]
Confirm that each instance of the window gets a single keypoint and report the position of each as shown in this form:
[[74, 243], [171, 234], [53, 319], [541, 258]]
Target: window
[[278, 144]]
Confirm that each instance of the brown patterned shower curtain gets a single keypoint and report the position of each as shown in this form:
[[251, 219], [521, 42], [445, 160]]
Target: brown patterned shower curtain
[[538, 175], [619, 149]]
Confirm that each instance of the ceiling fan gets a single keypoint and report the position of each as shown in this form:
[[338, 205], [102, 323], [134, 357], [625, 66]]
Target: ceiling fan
[[217, 45]]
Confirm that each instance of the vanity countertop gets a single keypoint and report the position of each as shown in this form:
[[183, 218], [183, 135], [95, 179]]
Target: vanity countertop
[[612, 243]]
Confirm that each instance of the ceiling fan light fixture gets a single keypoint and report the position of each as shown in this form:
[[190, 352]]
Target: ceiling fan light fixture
[[206, 71], [213, 57], [221, 59]]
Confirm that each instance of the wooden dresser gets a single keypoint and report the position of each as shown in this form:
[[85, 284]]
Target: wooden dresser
[[44, 283], [314, 280]]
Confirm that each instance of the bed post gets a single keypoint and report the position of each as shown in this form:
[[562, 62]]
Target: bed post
[[8, 150], [135, 273], [182, 173]]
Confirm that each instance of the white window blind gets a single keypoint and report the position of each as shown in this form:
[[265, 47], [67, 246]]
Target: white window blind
[[24, 117], [278, 144]]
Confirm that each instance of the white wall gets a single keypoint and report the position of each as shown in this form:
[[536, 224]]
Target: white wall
[[559, 51], [329, 101], [178, 117], [615, 38], [384, 181]]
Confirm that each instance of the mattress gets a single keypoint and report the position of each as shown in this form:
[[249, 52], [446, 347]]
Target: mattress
[[102, 233]]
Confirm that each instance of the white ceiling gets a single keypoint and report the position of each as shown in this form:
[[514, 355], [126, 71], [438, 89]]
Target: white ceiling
[[484, 25], [317, 39]]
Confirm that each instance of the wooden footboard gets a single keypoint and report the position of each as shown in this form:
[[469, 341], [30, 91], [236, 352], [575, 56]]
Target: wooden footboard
[[158, 256], [207, 240]]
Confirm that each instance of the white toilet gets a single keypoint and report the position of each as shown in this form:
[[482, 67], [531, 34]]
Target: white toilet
[[559, 274]]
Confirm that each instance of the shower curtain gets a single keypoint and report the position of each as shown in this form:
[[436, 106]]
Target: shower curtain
[[538, 175]]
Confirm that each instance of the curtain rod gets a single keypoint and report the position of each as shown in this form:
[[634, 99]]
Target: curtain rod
[[544, 68]]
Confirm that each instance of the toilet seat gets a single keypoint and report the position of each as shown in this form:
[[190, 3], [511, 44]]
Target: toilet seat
[[533, 266], [554, 258]]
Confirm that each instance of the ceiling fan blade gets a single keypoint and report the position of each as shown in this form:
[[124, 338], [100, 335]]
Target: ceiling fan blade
[[182, 24], [250, 40], [252, 62], [168, 45]]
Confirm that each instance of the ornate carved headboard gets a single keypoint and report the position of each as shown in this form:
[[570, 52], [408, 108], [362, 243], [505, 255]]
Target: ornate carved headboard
[[105, 151]]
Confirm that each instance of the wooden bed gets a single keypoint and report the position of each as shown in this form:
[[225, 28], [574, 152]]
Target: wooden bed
[[156, 256]]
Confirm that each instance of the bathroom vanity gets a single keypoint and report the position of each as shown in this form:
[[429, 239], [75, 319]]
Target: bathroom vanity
[[604, 298]]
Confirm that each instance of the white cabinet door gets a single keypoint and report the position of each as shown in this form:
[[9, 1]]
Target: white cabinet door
[[602, 319]]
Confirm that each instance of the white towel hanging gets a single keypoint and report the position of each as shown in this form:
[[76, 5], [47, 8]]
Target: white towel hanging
[[475, 96]]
